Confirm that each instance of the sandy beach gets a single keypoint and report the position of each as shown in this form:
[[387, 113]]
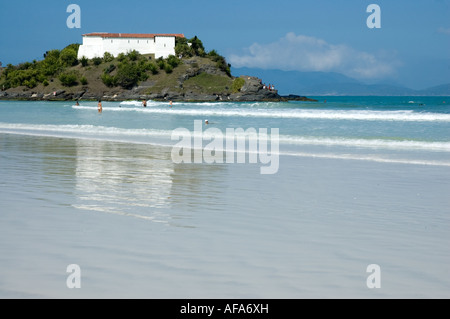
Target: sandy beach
[[215, 231]]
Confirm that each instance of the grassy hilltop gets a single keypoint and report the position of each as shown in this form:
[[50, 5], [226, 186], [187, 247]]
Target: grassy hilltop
[[194, 72]]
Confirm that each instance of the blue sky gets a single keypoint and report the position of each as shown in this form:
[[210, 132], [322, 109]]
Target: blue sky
[[411, 48]]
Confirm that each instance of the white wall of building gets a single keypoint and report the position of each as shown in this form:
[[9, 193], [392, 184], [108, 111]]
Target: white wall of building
[[164, 46], [96, 46]]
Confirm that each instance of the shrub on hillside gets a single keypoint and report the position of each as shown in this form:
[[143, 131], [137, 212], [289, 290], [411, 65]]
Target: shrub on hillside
[[68, 79], [168, 68], [127, 75], [68, 57], [173, 61], [84, 61], [107, 57], [152, 68], [121, 57], [97, 61], [133, 55], [109, 80]]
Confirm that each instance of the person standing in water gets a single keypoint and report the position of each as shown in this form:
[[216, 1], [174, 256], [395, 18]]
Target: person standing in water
[[144, 103], [170, 103], [99, 106]]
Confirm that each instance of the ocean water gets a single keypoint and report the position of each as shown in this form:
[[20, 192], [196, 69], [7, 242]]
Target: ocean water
[[356, 181]]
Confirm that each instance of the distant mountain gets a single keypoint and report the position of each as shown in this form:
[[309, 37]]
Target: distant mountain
[[331, 83], [442, 90], [360, 89]]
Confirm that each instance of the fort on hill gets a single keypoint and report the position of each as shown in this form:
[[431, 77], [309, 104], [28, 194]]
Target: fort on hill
[[97, 43]]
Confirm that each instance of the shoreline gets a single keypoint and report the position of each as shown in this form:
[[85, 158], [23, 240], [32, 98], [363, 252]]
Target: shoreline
[[61, 95]]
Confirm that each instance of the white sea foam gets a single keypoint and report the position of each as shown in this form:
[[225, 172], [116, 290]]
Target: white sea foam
[[115, 133], [404, 116], [82, 129], [370, 158], [367, 143]]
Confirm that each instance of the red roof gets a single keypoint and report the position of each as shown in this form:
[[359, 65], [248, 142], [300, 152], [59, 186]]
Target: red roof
[[132, 35]]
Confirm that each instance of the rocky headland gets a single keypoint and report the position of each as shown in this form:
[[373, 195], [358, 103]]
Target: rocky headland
[[191, 79]]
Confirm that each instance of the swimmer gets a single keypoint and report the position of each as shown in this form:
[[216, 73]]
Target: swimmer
[[170, 103], [206, 122], [99, 106], [144, 103]]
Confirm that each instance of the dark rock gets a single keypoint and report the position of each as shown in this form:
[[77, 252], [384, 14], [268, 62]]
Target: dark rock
[[292, 97], [174, 96], [190, 73], [191, 97], [91, 96], [78, 95], [252, 84], [156, 96]]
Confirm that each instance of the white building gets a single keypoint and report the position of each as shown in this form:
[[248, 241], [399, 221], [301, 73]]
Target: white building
[[96, 44]]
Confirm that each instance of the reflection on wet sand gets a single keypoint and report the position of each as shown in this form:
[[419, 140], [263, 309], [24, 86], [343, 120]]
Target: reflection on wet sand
[[134, 180], [140, 181]]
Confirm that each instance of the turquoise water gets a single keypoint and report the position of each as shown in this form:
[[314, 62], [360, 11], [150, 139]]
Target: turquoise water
[[361, 180], [389, 128]]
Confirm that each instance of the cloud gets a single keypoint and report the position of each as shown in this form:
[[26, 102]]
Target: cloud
[[305, 53]]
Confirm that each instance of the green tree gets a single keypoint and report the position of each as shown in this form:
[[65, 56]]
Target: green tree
[[182, 48], [68, 57], [152, 68], [168, 68], [52, 54], [73, 46], [51, 63], [173, 61], [68, 78], [161, 63], [121, 57], [109, 80], [97, 60], [127, 75], [84, 61], [133, 55], [197, 46], [108, 57], [83, 80], [30, 83]]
